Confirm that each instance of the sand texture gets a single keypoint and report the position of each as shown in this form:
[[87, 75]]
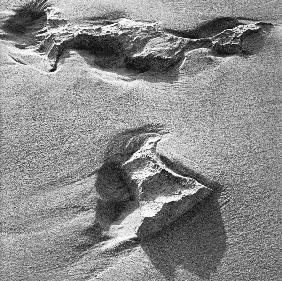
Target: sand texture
[[137, 148]]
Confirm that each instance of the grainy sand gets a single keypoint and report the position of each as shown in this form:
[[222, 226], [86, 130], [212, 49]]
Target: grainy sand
[[225, 121]]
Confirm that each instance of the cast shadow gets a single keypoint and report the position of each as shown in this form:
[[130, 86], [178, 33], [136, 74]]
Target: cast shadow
[[112, 63], [97, 232], [194, 243], [111, 183]]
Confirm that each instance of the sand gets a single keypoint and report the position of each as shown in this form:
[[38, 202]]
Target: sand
[[224, 119]]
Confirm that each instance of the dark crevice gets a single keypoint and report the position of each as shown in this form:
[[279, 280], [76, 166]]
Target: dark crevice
[[105, 47]]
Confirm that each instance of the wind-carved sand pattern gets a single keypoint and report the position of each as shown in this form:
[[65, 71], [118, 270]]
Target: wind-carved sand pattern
[[85, 199], [140, 45], [143, 194], [148, 194], [136, 45]]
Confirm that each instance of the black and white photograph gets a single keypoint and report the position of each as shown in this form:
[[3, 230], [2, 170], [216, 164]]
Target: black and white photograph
[[141, 140]]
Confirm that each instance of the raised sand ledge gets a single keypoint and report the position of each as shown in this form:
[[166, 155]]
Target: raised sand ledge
[[133, 44], [150, 194], [139, 45]]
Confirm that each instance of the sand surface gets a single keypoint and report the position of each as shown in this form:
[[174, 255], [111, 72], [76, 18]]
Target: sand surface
[[224, 118]]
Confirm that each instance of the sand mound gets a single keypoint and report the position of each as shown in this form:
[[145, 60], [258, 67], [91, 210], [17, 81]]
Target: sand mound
[[143, 46], [150, 195], [125, 43]]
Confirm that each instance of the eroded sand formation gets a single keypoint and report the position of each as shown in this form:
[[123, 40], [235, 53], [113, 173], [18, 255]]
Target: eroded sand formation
[[154, 195], [163, 195], [138, 45]]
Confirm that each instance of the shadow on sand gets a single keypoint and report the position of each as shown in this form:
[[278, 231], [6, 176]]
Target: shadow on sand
[[114, 64], [194, 243]]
